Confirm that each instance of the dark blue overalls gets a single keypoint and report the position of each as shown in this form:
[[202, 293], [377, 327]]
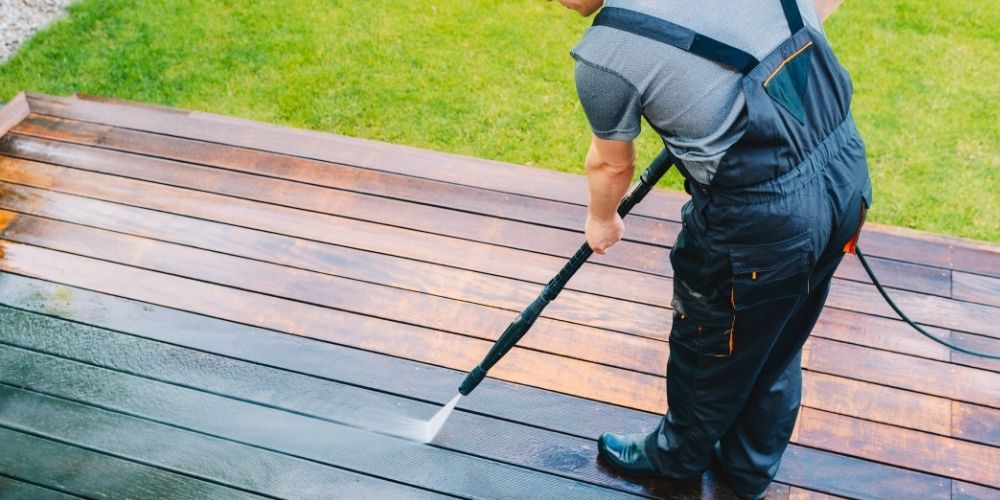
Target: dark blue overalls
[[758, 248]]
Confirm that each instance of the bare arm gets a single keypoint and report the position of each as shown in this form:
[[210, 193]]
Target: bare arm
[[610, 165], [826, 7]]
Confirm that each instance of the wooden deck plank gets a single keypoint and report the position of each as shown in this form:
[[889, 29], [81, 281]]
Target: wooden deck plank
[[803, 467], [648, 391], [13, 112], [940, 311], [477, 201], [877, 402], [978, 342], [13, 489], [489, 230], [415, 245], [801, 494], [906, 372], [976, 423], [394, 304], [434, 279], [963, 460], [951, 253], [291, 435], [966, 491], [863, 296], [231, 464], [413, 233], [494, 439], [88, 474], [399, 339], [835, 324], [899, 407], [976, 288], [937, 311], [366, 192]]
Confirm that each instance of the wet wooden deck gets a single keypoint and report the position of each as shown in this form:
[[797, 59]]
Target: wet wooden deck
[[198, 306]]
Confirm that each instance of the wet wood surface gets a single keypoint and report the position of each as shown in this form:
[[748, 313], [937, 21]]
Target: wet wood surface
[[166, 276]]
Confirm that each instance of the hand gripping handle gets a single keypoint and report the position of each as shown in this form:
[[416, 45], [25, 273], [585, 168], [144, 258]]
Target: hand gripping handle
[[523, 322]]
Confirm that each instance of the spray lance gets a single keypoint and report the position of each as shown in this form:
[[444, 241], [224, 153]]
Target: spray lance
[[520, 326], [647, 180]]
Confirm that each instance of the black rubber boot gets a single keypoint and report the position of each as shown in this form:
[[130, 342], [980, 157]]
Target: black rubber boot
[[626, 453]]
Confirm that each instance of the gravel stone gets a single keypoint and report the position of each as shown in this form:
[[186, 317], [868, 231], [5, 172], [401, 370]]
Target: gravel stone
[[19, 19]]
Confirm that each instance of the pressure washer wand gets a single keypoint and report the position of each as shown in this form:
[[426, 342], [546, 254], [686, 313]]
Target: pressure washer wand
[[520, 326]]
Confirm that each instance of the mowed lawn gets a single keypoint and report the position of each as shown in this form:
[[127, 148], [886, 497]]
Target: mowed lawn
[[493, 79]]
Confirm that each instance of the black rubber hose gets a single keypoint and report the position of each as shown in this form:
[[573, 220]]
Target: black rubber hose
[[520, 326], [896, 308]]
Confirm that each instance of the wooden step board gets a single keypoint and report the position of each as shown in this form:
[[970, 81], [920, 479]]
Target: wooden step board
[[189, 300]]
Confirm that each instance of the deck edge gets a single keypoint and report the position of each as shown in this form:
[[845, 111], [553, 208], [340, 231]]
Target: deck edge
[[14, 112]]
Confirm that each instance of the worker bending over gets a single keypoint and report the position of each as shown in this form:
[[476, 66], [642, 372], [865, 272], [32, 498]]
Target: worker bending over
[[751, 101]]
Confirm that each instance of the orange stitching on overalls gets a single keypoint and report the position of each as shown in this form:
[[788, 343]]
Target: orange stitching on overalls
[[785, 63]]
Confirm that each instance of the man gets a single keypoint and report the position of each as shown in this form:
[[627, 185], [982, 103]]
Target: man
[[755, 110]]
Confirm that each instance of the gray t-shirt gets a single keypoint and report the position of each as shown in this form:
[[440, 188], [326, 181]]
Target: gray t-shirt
[[693, 101]]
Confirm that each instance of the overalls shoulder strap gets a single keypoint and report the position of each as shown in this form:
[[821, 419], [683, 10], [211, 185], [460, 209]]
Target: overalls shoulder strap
[[792, 15], [685, 39]]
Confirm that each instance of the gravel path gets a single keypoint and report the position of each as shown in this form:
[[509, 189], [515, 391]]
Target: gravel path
[[19, 19]]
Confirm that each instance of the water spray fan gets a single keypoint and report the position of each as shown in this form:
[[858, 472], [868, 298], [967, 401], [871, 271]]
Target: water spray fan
[[523, 322]]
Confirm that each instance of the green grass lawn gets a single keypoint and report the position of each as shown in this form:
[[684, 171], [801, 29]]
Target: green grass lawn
[[493, 78]]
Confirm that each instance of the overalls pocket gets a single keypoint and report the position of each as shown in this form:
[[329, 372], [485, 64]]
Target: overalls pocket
[[704, 328], [770, 271]]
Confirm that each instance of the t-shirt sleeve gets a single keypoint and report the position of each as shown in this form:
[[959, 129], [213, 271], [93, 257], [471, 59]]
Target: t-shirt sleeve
[[611, 103]]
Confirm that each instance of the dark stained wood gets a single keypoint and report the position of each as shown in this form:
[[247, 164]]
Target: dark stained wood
[[925, 309], [951, 253], [942, 312], [13, 489], [359, 297], [976, 288], [521, 365], [806, 467], [881, 333], [648, 259], [963, 460], [899, 275], [619, 384], [493, 438], [36, 135], [170, 447], [367, 275], [801, 494], [907, 409], [930, 310], [84, 473], [852, 477], [877, 403], [416, 245], [966, 491], [835, 324], [976, 423], [13, 113], [401, 377], [983, 344], [291, 434], [905, 372], [925, 248]]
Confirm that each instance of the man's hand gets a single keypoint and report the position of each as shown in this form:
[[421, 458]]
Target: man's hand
[[601, 234], [609, 165]]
